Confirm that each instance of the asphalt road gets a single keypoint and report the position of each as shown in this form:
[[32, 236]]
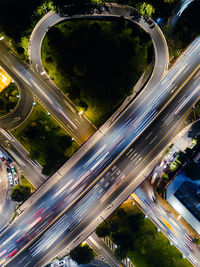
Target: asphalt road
[[102, 249], [109, 11], [30, 168], [77, 125], [169, 225], [99, 199], [22, 109], [125, 169], [178, 12]]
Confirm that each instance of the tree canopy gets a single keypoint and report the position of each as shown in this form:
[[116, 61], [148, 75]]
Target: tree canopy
[[82, 254], [16, 16], [19, 193]]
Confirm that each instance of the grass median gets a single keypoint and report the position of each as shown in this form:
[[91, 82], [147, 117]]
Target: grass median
[[45, 140]]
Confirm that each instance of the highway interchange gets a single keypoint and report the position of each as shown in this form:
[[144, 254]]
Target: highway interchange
[[116, 161]]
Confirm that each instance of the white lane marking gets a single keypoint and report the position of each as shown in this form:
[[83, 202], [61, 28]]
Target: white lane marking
[[153, 139], [62, 188], [170, 121], [148, 135]]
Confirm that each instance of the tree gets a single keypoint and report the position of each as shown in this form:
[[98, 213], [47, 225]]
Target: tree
[[16, 16], [165, 176], [189, 152], [135, 222], [146, 9], [64, 142], [123, 239], [19, 193], [121, 253], [103, 230], [82, 254], [182, 157], [196, 241], [192, 170]]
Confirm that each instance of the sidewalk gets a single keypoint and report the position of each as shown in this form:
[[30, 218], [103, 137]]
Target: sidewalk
[[104, 250], [7, 206]]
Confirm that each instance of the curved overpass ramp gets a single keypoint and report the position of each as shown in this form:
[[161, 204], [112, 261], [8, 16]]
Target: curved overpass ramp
[[21, 111], [25, 103], [110, 10]]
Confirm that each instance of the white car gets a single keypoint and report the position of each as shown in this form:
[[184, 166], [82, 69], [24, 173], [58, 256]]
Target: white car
[[10, 179], [62, 262], [15, 181]]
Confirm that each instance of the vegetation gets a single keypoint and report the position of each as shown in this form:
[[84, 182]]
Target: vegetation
[[192, 170], [165, 176], [174, 165], [138, 239], [45, 140], [96, 63], [145, 9], [82, 254], [8, 99], [169, 148], [17, 20], [25, 182], [184, 161], [163, 8], [196, 241], [20, 193]]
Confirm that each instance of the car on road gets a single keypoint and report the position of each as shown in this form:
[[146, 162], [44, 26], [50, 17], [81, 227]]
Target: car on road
[[154, 178], [15, 181], [13, 169], [10, 179], [62, 262], [3, 160], [8, 171]]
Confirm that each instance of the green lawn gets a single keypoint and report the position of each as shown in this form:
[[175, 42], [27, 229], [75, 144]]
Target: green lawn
[[25, 182], [96, 63], [138, 239], [45, 140]]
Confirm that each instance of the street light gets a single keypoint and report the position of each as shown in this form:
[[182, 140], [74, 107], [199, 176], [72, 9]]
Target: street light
[[80, 112]]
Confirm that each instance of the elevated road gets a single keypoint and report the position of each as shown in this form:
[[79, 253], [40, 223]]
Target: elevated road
[[108, 11], [77, 125], [117, 160], [114, 185], [178, 12], [22, 109]]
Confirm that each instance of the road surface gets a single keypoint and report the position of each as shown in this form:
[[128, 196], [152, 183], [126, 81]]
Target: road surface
[[30, 168], [77, 125], [169, 225], [150, 120], [109, 11]]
